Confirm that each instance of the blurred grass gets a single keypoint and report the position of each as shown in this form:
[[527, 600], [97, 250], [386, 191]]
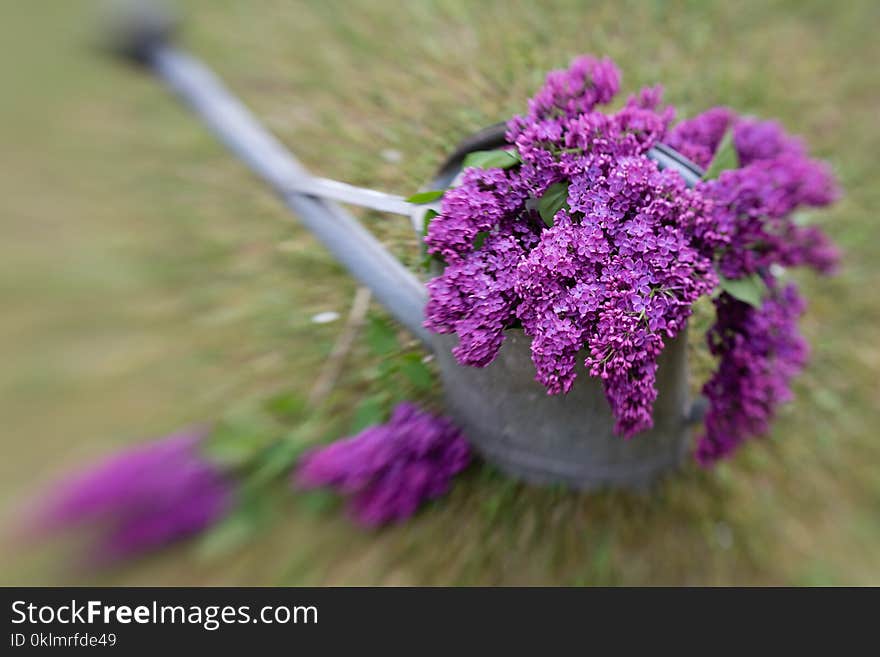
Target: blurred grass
[[147, 281]]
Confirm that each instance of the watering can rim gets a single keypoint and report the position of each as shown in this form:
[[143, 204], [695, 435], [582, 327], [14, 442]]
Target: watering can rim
[[494, 136]]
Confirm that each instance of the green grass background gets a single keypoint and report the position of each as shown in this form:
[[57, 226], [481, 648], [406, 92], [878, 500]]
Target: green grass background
[[147, 281]]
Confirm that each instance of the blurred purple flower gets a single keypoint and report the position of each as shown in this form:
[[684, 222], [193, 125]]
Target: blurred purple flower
[[389, 470], [140, 499], [760, 351]]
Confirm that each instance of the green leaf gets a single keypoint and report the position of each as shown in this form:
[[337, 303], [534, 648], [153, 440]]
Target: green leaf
[[498, 159], [417, 372], [286, 406], [318, 502], [426, 257], [429, 215], [241, 435], [750, 290], [428, 260], [278, 460], [480, 239], [370, 411], [381, 336], [426, 197], [553, 200], [725, 158], [250, 516]]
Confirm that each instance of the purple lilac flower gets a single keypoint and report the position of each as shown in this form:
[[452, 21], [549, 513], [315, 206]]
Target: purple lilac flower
[[698, 138], [484, 199], [142, 498], [616, 270], [576, 90], [754, 204], [389, 470], [760, 352], [475, 299]]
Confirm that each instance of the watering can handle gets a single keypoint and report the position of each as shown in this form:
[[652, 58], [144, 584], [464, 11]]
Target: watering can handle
[[142, 33]]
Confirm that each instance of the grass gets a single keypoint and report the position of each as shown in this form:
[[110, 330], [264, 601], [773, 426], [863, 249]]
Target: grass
[[148, 282]]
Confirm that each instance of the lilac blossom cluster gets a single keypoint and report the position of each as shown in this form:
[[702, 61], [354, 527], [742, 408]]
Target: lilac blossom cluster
[[142, 498], [614, 269], [615, 274], [759, 349], [754, 203], [389, 470]]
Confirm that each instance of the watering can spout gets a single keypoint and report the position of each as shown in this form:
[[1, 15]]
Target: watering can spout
[[142, 32]]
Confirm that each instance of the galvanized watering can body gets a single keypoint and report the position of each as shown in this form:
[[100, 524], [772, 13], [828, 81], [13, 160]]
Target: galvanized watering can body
[[558, 439], [506, 414]]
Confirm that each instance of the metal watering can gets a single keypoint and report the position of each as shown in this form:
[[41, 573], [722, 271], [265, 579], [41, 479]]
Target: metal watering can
[[506, 414]]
